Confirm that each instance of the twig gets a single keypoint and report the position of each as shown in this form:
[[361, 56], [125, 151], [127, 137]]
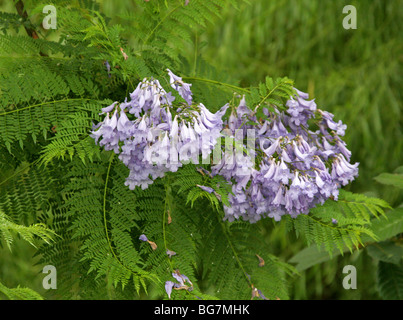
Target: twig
[[24, 15]]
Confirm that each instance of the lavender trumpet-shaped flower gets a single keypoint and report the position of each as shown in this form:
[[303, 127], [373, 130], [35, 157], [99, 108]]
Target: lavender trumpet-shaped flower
[[293, 174], [144, 238], [180, 86], [108, 68], [168, 287], [277, 165], [207, 189], [170, 253], [149, 139], [182, 279]]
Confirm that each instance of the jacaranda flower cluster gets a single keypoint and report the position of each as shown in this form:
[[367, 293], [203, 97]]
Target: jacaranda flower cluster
[[155, 142], [284, 163], [294, 168]]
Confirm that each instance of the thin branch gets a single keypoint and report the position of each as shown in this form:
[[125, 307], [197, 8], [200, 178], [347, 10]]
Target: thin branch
[[217, 83], [42, 104], [24, 15]]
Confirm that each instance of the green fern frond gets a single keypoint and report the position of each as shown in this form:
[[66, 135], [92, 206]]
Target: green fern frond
[[273, 92], [339, 224], [29, 234], [20, 293], [39, 91], [72, 136], [229, 263], [97, 215], [190, 179], [25, 195]]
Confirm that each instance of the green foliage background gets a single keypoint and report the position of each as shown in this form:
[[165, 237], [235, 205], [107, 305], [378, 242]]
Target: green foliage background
[[355, 74]]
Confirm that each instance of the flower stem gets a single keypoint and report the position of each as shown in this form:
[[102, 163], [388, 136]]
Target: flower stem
[[218, 83]]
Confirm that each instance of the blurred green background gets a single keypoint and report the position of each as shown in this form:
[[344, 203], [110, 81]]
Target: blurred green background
[[355, 74]]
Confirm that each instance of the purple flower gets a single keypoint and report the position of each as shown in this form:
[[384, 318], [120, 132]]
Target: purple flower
[[300, 109], [261, 295], [170, 253], [108, 68], [284, 168], [167, 99], [168, 287], [109, 108], [207, 189], [272, 148], [107, 133], [180, 86], [143, 238], [293, 175], [181, 285], [328, 121], [342, 171], [181, 278], [341, 145], [124, 126]]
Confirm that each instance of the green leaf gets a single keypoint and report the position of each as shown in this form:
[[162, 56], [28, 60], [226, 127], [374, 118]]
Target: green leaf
[[392, 179], [390, 281], [311, 256], [399, 169], [269, 82], [262, 89], [353, 213], [7, 227], [386, 251], [20, 293], [389, 227]]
